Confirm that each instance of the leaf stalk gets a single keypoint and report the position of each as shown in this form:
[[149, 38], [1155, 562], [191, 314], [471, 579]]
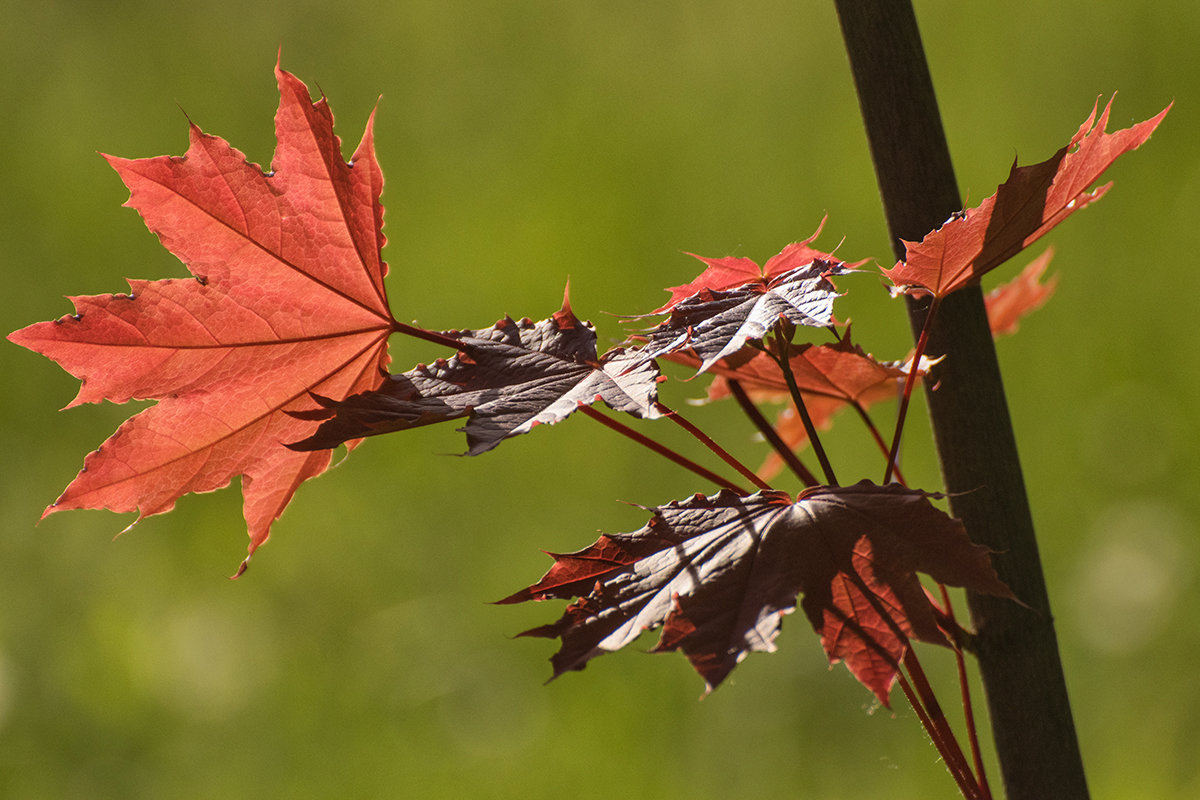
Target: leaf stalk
[[721, 452], [781, 358], [909, 382], [771, 435], [661, 449]]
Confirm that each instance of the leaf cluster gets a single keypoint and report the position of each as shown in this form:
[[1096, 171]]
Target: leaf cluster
[[275, 352]]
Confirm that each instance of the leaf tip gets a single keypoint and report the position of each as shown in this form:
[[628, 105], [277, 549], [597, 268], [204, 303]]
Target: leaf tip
[[566, 303], [241, 568]]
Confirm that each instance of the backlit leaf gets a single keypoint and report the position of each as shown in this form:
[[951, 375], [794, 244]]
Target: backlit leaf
[[1032, 201], [717, 574], [287, 300]]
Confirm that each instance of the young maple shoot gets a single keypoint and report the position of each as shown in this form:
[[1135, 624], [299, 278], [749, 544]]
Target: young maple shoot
[[275, 352]]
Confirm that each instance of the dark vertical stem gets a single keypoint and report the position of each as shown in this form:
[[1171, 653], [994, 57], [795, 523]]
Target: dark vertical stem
[[1017, 648]]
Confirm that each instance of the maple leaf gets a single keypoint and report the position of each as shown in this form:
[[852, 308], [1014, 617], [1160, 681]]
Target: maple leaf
[[715, 324], [287, 299], [507, 379], [1033, 200], [830, 378], [841, 370], [730, 272], [718, 573], [1009, 303]]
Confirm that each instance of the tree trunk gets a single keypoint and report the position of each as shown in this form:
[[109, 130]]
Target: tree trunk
[[1017, 648]]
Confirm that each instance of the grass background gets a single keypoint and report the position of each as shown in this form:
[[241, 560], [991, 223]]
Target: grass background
[[524, 143]]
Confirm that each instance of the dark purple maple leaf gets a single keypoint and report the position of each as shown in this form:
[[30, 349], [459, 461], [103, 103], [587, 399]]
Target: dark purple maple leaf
[[717, 324], [718, 573], [507, 379]]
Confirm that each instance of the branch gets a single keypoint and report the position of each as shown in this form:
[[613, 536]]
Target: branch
[[1017, 647]]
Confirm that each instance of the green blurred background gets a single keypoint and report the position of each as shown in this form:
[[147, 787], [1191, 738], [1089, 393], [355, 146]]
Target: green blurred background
[[525, 143]]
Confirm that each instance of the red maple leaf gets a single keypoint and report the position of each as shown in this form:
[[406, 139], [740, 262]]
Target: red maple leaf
[[841, 371], [718, 573], [507, 379], [830, 378], [731, 272], [1011, 302], [287, 299], [1032, 201]]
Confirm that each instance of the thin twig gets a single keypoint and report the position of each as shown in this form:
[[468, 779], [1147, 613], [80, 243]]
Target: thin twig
[[968, 708], [958, 772], [923, 701], [951, 752]]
